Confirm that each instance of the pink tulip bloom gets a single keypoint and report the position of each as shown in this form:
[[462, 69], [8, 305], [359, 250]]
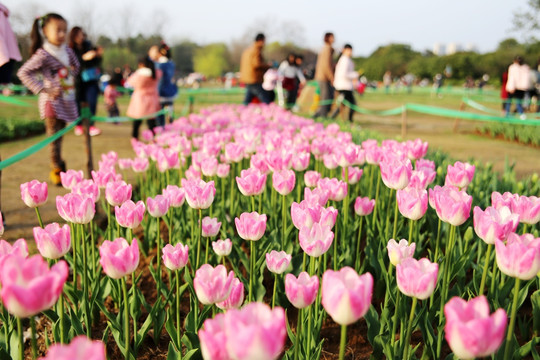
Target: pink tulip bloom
[[71, 178], [355, 174], [223, 170], [101, 178], [311, 178], [507, 199], [528, 209], [212, 285], [347, 155], [300, 161], [283, 181], [140, 165], [258, 162], [157, 206], [175, 257], [210, 226], [417, 278], [251, 182], [395, 172], [209, 166], [130, 214], [222, 247], [278, 262], [279, 160], [19, 249], [147, 135], [125, 164], [251, 226], [374, 154], [199, 194], [303, 215], [397, 252], [213, 337], [236, 297], [420, 179], [494, 224], [175, 195], [412, 202], [28, 286], [315, 196], [34, 193], [117, 192], [167, 159], [425, 164], [77, 209], [459, 175], [346, 296], [118, 258], [53, 241], [452, 206], [519, 257], [416, 149], [471, 332], [87, 187], [234, 152], [80, 348], [363, 206], [301, 291], [317, 240], [330, 161], [337, 189]]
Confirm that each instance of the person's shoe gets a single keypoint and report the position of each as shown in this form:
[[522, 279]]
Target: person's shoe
[[94, 131], [79, 130], [54, 175]]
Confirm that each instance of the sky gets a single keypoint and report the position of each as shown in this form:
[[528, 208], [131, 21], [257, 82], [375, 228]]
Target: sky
[[366, 25]]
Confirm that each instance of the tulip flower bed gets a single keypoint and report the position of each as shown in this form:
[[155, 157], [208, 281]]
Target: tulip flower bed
[[252, 233]]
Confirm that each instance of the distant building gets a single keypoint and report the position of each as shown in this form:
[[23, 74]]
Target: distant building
[[441, 49], [453, 48]]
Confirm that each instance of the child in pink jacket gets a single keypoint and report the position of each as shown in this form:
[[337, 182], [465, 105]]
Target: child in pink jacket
[[145, 98]]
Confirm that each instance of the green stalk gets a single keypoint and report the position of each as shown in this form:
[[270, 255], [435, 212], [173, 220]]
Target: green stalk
[[387, 225], [283, 222], [260, 203], [411, 227], [34, 342], [444, 288], [274, 292], [85, 283], [253, 203], [524, 228], [206, 250], [178, 324], [357, 258], [74, 244], [6, 328], [199, 240], [158, 269], [251, 269], [126, 318], [273, 201], [436, 257], [298, 333], [109, 227], [171, 211], [395, 220], [93, 249], [345, 223], [377, 196], [342, 342], [510, 332], [409, 328], [231, 213], [39, 217], [310, 309], [395, 322], [61, 311], [485, 271], [222, 181], [20, 336]]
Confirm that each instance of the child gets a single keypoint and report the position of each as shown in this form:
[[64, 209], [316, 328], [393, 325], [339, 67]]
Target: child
[[50, 72], [145, 98], [110, 94]]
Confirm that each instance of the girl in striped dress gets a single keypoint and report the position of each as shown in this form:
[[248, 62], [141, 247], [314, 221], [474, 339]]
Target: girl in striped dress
[[50, 73]]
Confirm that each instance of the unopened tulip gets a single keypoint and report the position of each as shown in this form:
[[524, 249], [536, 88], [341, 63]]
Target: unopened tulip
[[528, 209], [395, 172], [251, 226], [87, 187], [420, 179], [412, 202], [303, 290], [519, 257], [300, 162], [53, 241], [316, 195], [34, 193], [175, 257], [209, 166], [416, 149], [75, 208], [101, 178], [311, 178], [117, 192], [507, 199], [212, 285], [494, 224], [222, 247], [175, 195], [223, 170], [130, 214], [210, 226], [283, 181], [452, 206], [346, 296], [417, 278], [471, 332], [157, 206], [460, 174], [251, 182], [118, 258], [80, 348], [355, 173], [278, 262], [397, 252], [316, 241], [337, 189], [363, 206], [236, 297], [199, 194], [71, 178]]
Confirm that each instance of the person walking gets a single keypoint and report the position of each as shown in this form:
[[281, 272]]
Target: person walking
[[344, 79], [517, 84], [161, 55], [324, 74], [252, 69], [291, 76]]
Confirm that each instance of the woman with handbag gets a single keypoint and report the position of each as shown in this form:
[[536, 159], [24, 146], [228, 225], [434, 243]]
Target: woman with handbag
[[87, 83]]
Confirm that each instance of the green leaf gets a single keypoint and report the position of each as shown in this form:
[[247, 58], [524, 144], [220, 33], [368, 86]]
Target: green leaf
[[173, 353]]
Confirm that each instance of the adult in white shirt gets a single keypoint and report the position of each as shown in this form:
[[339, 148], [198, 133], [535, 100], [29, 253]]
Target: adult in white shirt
[[519, 81], [290, 74], [344, 79]]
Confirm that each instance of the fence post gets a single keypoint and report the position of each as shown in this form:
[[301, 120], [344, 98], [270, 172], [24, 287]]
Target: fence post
[[404, 122], [85, 113], [462, 107]]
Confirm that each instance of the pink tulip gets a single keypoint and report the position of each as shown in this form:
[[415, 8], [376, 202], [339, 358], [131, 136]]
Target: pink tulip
[[459, 175], [118, 258], [157, 206], [420, 179], [80, 348], [528, 209], [87, 187], [355, 173], [258, 162], [346, 296], [130, 214], [279, 160], [236, 297], [301, 291], [28, 286], [301, 161], [283, 181], [175, 257], [347, 155], [210, 226], [147, 135], [417, 278], [311, 178], [234, 152], [278, 262], [507, 199], [125, 164], [140, 165], [167, 159], [471, 332], [212, 285], [53, 241], [412, 202], [77, 209], [452, 206], [396, 172], [222, 247], [316, 195], [397, 252], [519, 257], [117, 192], [19, 249], [175, 195], [213, 337], [374, 154], [199, 194], [363, 206], [71, 178], [251, 182], [192, 174], [34, 193], [317, 240], [330, 161], [251, 226], [101, 178], [223, 170], [337, 189], [209, 166], [494, 224]]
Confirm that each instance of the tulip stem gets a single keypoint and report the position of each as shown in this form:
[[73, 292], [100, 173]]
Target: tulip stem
[[345, 223], [512, 321], [298, 333], [409, 328], [274, 292], [411, 227], [222, 181], [435, 258], [178, 325], [260, 203], [358, 242], [310, 310], [39, 217], [387, 225], [283, 222], [34, 342], [20, 336], [445, 285], [273, 200], [206, 250], [85, 283], [493, 277], [396, 221], [109, 227], [395, 322], [376, 196], [158, 269], [231, 213], [7, 319], [251, 268], [524, 228], [126, 318], [334, 245], [74, 244], [485, 271], [253, 203], [61, 311], [342, 342], [199, 236], [93, 248]]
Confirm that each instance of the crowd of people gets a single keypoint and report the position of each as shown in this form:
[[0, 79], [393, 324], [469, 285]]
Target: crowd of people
[[521, 86]]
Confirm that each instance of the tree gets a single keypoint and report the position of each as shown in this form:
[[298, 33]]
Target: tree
[[211, 60], [526, 21], [182, 54]]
